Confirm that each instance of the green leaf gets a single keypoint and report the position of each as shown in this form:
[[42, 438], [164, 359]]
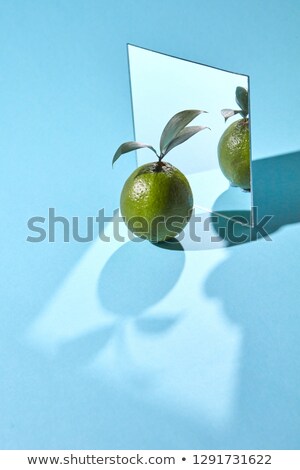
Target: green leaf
[[184, 135], [227, 113], [175, 126], [129, 147], [241, 98]]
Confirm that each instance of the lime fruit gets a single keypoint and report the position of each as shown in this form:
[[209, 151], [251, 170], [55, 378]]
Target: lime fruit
[[156, 201], [234, 154]]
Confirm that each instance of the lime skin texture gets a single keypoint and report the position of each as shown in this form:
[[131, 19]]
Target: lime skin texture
[[156, 201], [234, 154]]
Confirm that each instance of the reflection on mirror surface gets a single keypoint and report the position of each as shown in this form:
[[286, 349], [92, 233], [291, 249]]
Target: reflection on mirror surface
[[217, 162]]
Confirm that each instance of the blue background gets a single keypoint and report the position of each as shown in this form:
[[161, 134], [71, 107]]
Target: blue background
[[64, 108]]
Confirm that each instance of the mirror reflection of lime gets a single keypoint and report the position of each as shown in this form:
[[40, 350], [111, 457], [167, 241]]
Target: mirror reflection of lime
[[156, 201], [234, 154]]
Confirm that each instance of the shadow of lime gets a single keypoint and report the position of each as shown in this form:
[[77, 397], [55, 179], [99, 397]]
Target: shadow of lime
[[171, 244], [137, 276]]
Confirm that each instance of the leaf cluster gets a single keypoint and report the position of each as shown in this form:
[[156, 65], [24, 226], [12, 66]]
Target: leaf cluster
[[175, 133]]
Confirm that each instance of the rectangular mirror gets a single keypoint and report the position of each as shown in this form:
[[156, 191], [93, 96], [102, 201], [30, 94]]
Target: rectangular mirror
[[217, 162]]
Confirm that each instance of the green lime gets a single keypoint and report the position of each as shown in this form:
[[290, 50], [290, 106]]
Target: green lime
[[234, 154], [156, 201]]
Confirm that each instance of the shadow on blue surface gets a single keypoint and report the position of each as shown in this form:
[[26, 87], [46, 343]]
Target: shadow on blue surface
[[277, 189], [258, 286], [134, 278], [143, 274]]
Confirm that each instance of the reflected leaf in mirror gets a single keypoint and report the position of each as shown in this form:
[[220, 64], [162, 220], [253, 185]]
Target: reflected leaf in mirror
[[241, 98]]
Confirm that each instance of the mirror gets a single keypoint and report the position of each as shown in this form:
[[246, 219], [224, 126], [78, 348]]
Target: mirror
[[217, 162]]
